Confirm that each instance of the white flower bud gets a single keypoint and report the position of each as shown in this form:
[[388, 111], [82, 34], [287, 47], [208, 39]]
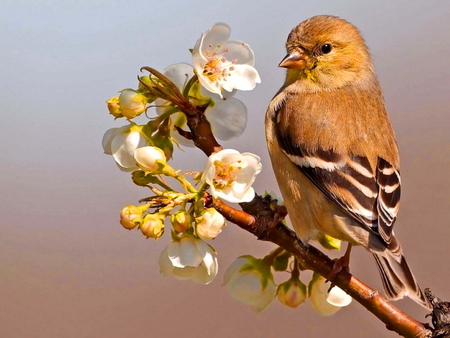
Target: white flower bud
[[130, 216], [250, 281], [292, 293], [132, 103], [149, 159], [152, 226], [210, 224]]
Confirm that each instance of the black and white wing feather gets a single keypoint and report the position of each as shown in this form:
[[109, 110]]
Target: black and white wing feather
[[369, 195]]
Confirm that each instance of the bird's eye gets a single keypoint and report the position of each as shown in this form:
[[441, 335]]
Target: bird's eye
[[326, 48]]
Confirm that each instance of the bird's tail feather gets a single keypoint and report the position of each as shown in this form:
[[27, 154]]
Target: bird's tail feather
[[398, 280]]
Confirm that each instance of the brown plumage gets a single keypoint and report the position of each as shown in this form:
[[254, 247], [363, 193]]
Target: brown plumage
[[333, 149]]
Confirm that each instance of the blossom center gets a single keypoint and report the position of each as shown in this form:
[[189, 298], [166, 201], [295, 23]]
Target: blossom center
[[217, 67], [225, 175]]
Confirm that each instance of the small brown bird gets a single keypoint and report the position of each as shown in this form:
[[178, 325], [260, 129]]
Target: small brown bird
[[333, 149]]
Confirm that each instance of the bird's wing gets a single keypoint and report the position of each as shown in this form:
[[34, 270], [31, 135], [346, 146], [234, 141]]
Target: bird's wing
[[369, 196]]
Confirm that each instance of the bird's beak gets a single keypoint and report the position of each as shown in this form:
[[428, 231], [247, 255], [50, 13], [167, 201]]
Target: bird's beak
[[294, 60]]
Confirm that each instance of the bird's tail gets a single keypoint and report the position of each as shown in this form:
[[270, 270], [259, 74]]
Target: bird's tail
[[398, 279]]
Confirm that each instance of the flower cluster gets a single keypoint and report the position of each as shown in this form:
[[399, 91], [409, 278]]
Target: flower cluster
[[144, 149], [220, 68]]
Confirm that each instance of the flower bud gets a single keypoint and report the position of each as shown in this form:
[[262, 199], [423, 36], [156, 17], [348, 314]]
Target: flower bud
[[250, 281], [152, 226], [181, 221], [144, 82], [150, 159], [132, 103], [114, 107], [209, 224], [292, 292], [131, 216]]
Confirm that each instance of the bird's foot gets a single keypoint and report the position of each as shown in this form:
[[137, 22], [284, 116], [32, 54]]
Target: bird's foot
[[340, 264]]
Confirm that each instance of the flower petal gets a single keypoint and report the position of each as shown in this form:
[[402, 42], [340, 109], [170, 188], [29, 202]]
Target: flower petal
[[148, 158], [215, 97], [165, 264], [107, 139], [266, 297], [207, 255], [179, 74], [338, 297], [204, 274], [184, 273], [234, 268], [249, 171], [318, 293], [123, 145], [215, 38], [184, 253], [213, 87], [228, 118], [239, 52], [243, 77], [167, 269], [247, 288]]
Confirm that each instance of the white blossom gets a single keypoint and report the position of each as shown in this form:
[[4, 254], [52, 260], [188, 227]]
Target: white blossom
[[189, 258], [121, 144], [231, 174], [209, 224], [131, 103], [224, 65], [149, 158]]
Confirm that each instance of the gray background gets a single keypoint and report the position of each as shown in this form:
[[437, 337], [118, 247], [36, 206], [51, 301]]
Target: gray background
[[67, 268]]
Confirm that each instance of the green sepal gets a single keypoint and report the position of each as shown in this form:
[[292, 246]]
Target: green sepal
[[162, 139], [141, 179], [281, 262]]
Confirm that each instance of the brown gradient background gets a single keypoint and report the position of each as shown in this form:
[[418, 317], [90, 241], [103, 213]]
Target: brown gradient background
[[67, 269]]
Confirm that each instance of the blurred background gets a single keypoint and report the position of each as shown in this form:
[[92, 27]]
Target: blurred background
[[68, 269]]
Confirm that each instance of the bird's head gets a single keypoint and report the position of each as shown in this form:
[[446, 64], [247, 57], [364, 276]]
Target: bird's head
[[325, 53]]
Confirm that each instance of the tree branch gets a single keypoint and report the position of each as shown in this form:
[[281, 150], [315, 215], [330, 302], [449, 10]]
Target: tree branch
[[310, 257]]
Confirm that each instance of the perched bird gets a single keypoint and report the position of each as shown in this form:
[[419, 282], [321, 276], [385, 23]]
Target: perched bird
[[333, 149]]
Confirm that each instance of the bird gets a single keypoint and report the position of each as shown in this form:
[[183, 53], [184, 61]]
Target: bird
[[333, 148]]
